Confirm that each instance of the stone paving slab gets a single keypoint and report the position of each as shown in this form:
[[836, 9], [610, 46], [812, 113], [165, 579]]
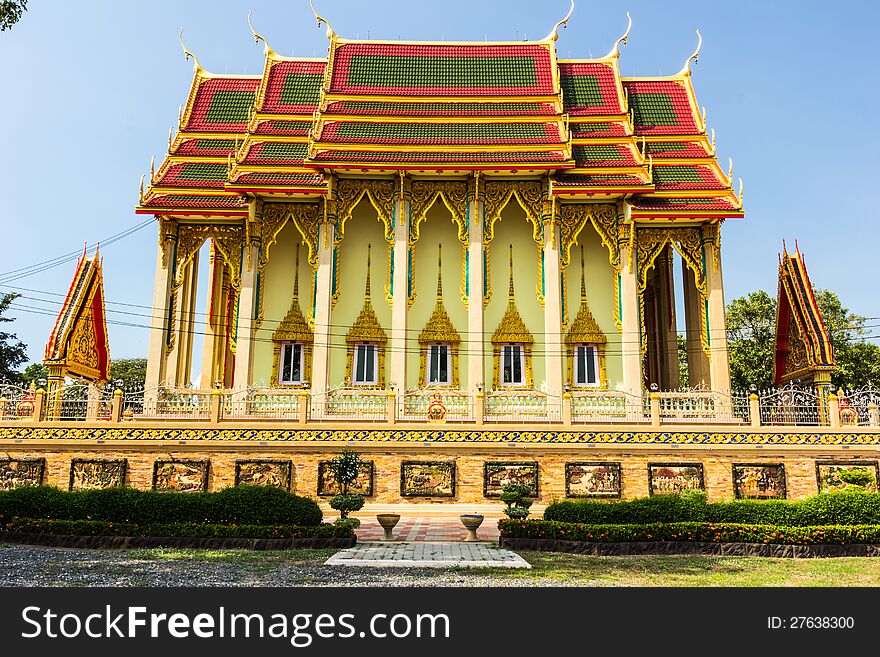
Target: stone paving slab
[[428, 555]]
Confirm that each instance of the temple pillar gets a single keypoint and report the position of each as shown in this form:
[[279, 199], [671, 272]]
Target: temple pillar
[[179, 358], [476, 285], [156, 354], [719, 371], [553, 345], [247, 306], [631, 335], [323, 298], [213, 348], [400, 282], [694, 307]]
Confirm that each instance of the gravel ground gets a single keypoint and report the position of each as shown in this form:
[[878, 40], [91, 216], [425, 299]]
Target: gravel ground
[[36, 566]]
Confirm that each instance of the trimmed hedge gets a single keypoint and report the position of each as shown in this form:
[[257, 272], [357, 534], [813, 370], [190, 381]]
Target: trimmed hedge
[[105, 528], [705, 532], [825, 509], [241, 505]]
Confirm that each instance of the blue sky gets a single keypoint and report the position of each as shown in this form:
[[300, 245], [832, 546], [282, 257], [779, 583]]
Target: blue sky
[[91, 88]]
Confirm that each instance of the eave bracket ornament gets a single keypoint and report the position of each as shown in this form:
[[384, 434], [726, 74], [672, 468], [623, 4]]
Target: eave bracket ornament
[[574, 218], [529, 194], [349, 194]]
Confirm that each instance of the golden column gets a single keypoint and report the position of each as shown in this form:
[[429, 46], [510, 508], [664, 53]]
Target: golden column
[[324, 292], [476, 210], [400, 280], [553, 346]]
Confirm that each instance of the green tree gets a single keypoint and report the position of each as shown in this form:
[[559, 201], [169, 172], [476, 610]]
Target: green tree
[[33, 373], [10, 13], [12, 350], [751, 335], [751, 338], [131, 371]]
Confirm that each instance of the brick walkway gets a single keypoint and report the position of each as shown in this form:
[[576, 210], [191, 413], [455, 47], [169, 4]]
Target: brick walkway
[[426, 530], [428, 555]]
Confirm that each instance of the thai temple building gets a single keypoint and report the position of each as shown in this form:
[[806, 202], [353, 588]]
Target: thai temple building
[[472, 217], [466, 261]]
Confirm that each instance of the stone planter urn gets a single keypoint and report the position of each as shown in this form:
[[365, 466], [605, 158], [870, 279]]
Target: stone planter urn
[[471, 522], [388, 522]]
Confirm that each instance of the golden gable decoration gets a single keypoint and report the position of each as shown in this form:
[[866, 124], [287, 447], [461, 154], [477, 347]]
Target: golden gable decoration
[[366, 329], [439, 330], [293, 328], [511, 330], [585, 330], [78, 345]]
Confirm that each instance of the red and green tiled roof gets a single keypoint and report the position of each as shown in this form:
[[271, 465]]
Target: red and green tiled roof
[[194, 174], [378, 108], [689, 176], [589, 88], [677, 149], [605, 129], [278, 153], [206, 147], [600, 180], [720, 204], [284, 128], [436, 134], [222, 105], [608, 155], [395, 157], [661, 107], [217, 201], [442, 70], [294, 87], [285, 179]]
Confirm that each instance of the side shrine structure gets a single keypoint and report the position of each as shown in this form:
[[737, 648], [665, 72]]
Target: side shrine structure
[[589, 181], [464, 261]]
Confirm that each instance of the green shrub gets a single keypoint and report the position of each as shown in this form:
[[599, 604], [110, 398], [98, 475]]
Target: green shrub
[[188, 530], [345, 503], [242, 505], [707, 532], [843, 508], [516, 497]]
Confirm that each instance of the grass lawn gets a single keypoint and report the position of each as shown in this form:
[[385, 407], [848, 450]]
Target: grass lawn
[[660, 570], [682, 570]]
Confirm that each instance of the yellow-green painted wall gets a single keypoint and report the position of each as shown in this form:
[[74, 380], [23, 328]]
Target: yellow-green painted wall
[[363, 228], [515, 229], [600, 279], [437, 229], [278, 277]]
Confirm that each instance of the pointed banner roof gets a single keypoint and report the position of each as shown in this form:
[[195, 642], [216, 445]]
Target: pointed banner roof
[[444, 109], [803, 348], [78, 344]]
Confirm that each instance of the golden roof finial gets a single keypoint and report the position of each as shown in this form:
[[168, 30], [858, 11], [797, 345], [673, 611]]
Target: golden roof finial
[[188, 53], [152, 169], [729, 170], [179, 115], [367, 284], [695, 57], [170, 137], [510, 295], [713, 140], [583, 283], [321, 19], [267, 50], [740, 193], [141, 192], [439, 272], [554, 33], [296, 276], [622, 41]]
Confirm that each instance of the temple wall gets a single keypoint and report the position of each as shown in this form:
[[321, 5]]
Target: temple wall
[[600, 280], [362, 229], [277, 294], [799, 462], [438, 228], [513, 228]]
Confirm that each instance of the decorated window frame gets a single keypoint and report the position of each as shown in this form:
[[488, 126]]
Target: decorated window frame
[[366, 330], [439, 332], [512, 331], [369, 352], [586, 332], [585, 355], [293, 330]]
